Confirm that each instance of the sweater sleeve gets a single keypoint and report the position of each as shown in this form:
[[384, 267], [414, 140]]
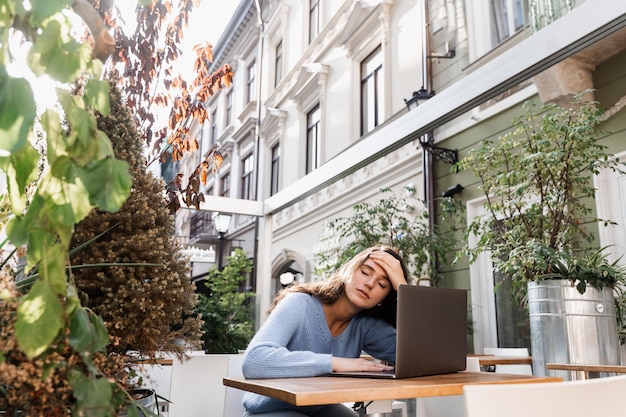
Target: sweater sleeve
[[288, 343], [380, 341]]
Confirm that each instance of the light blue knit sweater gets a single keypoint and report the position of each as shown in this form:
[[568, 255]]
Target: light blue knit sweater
[[295, 341]]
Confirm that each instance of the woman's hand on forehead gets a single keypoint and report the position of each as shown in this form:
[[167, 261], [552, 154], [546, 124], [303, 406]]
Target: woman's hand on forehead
[[391, 266]]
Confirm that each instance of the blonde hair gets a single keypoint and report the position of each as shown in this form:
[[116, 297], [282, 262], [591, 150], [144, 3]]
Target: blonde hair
[[329, 290]]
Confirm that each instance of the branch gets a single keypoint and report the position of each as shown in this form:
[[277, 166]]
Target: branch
[[104, 44]]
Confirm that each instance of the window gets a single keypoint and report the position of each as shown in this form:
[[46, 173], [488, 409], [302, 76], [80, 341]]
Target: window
[[251, 89], [228, 119], [247, 177], [313, 139], [492, 22], [274, 172], [278, 63], [372, 97], [499, 319], [225, 185], [213, 132], [512, 318], [509, 16], [314, 19]]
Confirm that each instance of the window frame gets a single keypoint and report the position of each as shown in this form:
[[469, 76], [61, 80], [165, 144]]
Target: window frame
[[313, 145], [225, 184], [278, 63], [315, 15], [213, 129], [372, 81], [251, 82], [274, 168], [247, 177], [228, 108]]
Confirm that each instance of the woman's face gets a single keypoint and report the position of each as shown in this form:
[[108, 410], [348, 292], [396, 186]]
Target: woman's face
[[368, 285]]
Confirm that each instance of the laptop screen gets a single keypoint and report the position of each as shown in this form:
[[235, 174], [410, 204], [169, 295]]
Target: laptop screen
[[431, 333]]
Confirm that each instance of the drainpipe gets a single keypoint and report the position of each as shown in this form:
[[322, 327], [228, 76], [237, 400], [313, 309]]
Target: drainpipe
[[427, 160], [257, 139], [427, 157]]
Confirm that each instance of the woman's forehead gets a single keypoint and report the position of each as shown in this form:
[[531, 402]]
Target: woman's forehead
[[370, 264]]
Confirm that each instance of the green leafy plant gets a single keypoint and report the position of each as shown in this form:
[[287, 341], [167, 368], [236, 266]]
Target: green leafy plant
[[591, 269], [400, 221], [537, 181], [227, 309]]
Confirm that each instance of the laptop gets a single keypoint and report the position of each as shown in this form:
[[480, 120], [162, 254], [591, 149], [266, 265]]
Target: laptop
[[431, 333]]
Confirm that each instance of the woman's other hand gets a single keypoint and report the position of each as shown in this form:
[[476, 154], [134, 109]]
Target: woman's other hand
[[358, 365]]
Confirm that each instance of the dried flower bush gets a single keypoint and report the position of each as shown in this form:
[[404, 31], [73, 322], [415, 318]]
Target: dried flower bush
[[42, 386], [149, 308]]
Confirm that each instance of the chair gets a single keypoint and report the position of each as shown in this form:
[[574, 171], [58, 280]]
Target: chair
[[510, 369], [197, 386], [592, 397], [233, 406], [449, 406], [472, 364], [158, 377]]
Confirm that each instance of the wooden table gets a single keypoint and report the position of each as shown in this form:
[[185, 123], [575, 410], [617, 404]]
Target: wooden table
[[333, 390], [488, 360], [586, 369]]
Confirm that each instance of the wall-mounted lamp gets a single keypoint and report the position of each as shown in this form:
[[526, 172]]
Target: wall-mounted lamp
[[418, 96], [455, 189], [449, 156]]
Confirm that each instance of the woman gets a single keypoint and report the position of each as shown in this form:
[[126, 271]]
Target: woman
[[322, 327]]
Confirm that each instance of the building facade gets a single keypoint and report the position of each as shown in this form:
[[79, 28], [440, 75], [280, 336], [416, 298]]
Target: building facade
[[335, 99]]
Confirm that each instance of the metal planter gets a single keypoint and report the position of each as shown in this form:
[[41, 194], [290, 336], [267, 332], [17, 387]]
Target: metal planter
[[569, 327]]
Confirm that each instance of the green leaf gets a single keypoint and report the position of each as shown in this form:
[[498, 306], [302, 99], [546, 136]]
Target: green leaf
[[87, 332], [41, 10], [97, 95], [52, 268], [73, 302], [108, 182], [17, 112], [105, 149], [65, 194], [55, 139], [21, 169], [93, 395], [39, 319], [57, 54], [82, 145]]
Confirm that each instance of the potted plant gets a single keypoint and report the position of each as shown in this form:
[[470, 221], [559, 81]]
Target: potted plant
[[539, 222]]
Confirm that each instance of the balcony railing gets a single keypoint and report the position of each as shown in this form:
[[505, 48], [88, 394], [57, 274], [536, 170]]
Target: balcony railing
[[544, 12]]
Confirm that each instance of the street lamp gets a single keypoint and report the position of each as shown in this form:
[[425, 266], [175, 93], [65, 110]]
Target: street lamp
[[222, 223]]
